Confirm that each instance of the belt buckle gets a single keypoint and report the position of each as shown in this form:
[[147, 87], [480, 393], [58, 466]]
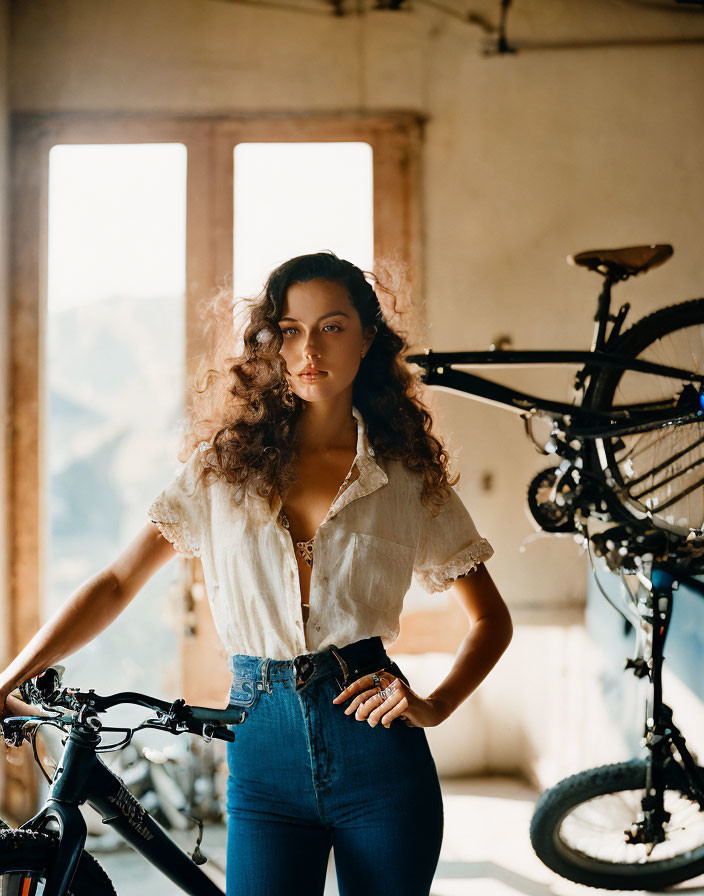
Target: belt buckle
[[304, 667]]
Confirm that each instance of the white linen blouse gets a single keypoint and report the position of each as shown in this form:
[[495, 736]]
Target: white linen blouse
[[374, 537]]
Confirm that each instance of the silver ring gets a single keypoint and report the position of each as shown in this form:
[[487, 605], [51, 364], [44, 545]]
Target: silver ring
[[387, 692], [377, 681]]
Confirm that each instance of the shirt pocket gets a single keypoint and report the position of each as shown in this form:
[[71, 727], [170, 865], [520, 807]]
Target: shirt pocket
[[380, 573]]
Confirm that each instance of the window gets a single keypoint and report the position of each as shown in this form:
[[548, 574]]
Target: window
[[113, 382], [295, 198]]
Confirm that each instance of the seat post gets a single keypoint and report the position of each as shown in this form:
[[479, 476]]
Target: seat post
[[602, 311]]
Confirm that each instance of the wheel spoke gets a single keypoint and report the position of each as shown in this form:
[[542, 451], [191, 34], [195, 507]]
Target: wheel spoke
[[667, 480], [666, 463], [687, 491], [654, 460], [597, 828]]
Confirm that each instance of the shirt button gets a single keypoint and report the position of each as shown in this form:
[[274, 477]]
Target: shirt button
[[317, 628], [325, 580]]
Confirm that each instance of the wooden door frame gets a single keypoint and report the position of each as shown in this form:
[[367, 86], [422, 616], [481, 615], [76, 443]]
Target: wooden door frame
[[395, 138]]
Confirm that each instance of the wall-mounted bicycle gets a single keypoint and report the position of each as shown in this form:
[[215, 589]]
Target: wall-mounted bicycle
[[631, 454], [633, 447]]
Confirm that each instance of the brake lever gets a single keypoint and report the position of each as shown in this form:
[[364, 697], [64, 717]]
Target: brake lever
[[13, 730], [29, 692], [217, 731], [42, 689], [177, 724]]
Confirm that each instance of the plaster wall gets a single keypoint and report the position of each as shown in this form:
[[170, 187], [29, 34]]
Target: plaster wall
[[528, 157], [574, 142]]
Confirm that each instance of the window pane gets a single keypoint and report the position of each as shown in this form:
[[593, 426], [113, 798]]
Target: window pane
[[114, 386], [295, 198]]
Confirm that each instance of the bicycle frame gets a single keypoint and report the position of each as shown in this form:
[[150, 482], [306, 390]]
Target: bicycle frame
[[580, 422], [82, 777]]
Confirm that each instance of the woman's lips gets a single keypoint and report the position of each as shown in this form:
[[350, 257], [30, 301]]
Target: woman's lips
[[313, 377]]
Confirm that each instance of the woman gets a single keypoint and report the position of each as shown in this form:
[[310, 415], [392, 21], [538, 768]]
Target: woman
[[310, 510]]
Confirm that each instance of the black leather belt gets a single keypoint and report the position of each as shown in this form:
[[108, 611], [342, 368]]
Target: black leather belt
[[346, 663]]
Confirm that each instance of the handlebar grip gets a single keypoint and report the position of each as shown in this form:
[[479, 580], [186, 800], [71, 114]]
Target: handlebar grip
[[217, 716]]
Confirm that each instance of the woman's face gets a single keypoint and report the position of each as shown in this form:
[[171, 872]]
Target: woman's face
[[322, 334]]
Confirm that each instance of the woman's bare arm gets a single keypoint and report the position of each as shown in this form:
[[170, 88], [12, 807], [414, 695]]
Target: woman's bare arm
[[489, 635], [91, 608], [490, 632]]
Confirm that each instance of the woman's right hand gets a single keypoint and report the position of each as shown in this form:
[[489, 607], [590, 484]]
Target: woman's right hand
[[11, 706]]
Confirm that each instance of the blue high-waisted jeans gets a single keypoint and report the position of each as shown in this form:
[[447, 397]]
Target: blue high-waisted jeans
[[305, 777]]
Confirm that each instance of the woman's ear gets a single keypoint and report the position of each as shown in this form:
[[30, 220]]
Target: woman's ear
[[369, 335]]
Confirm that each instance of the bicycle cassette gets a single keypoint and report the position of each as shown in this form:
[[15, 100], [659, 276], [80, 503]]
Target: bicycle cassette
[[550, 496]]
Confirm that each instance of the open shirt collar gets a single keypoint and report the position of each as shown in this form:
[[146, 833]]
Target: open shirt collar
[[370, 476]]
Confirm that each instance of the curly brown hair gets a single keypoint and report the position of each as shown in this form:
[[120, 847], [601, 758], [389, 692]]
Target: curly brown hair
[[245, 410]]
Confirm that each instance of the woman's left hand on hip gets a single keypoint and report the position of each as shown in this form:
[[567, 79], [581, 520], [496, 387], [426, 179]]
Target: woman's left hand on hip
[[388, 698]]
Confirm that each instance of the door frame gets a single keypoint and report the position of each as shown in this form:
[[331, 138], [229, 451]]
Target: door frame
[[396, 141]]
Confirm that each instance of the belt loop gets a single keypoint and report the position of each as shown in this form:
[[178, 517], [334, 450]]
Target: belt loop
[[265, 675]]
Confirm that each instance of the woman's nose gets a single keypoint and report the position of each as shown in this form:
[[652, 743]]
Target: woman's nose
[[310, 349]]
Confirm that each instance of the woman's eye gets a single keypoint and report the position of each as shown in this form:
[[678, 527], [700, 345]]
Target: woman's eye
[[289, 331]]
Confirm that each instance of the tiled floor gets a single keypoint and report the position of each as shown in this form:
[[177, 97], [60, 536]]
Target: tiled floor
[[485, 852]]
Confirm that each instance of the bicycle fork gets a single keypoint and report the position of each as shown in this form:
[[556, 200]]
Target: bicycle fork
[[662, 737]]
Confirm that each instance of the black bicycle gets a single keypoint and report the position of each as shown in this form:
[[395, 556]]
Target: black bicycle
[[46, 854], [631, 454], [631, 440]]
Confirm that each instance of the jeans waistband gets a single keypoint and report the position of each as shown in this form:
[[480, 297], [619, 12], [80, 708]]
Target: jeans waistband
[[344, 663]]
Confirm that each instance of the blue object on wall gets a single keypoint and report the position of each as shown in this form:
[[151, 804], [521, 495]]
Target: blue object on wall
[[684, 647]]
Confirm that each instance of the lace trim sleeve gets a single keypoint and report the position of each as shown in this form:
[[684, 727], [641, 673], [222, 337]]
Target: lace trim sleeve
[[178, 510], [441, 578], [175, 530]]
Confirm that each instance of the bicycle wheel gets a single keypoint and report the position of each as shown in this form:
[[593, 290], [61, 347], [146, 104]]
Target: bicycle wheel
[[657, 476], [579, 830], [24, 858]]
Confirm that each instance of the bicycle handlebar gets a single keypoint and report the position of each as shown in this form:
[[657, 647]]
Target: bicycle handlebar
[[176, 717], [182, 710]]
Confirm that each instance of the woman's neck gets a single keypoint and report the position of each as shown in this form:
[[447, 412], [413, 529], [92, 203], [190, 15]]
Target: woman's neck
[[326, 426]]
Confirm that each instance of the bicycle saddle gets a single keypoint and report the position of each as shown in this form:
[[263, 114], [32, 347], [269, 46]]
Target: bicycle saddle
[[623, 263]]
